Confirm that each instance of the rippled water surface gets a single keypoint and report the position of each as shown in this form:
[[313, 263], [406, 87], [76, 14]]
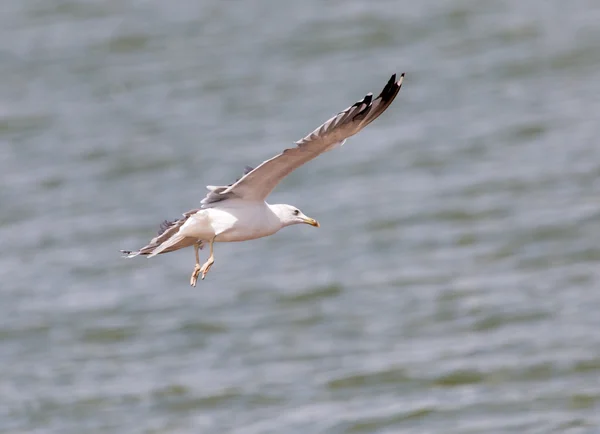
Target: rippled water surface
[[454, 285]]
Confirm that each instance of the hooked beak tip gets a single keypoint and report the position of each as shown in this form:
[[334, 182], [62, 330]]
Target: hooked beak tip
[[312, 222]]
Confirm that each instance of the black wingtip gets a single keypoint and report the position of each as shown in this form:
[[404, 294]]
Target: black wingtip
[[391, 89], [367, 100], [393, 80], [396, 82]]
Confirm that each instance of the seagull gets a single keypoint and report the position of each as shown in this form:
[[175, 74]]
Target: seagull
[[239, 211]]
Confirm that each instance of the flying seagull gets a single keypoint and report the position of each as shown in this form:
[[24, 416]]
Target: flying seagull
[[239, 212]]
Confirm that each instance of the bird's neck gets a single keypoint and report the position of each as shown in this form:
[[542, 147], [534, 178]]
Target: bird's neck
[[278, 214]]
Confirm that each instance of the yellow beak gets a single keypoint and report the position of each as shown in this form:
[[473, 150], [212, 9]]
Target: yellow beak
[[311, 222]]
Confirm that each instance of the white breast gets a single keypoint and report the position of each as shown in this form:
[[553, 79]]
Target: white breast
[[234, 220]]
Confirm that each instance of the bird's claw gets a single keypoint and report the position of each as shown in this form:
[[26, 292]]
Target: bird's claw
[[195, 273], [205, 268]]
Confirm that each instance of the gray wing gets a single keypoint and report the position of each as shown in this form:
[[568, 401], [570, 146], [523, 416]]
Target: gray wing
[[258, 183]]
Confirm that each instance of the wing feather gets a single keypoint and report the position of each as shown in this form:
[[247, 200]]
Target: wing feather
[[258, 183], [169, 230]]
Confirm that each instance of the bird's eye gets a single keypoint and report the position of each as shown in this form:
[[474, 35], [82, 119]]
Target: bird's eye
[[296, 212]]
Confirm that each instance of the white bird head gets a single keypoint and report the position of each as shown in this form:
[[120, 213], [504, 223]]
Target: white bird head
[[290, 215]]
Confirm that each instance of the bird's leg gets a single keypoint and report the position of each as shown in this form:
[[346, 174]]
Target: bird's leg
[[196, 271], [210, 261]]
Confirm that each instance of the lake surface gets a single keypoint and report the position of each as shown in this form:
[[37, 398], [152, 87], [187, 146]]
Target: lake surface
[[454, 284]]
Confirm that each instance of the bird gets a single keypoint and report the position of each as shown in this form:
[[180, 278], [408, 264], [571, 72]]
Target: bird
[[239, 211]]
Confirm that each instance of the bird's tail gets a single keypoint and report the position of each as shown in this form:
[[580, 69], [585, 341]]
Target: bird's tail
[[131, 253], [167, 240], [175, 243]]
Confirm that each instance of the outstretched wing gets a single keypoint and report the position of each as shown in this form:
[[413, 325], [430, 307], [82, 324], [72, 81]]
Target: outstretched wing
[[258, 183]]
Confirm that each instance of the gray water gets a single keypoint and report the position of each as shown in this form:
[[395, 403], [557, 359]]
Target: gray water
[[454, 284]]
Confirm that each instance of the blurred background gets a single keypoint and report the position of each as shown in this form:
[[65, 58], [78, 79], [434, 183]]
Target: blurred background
[[454, 283]]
